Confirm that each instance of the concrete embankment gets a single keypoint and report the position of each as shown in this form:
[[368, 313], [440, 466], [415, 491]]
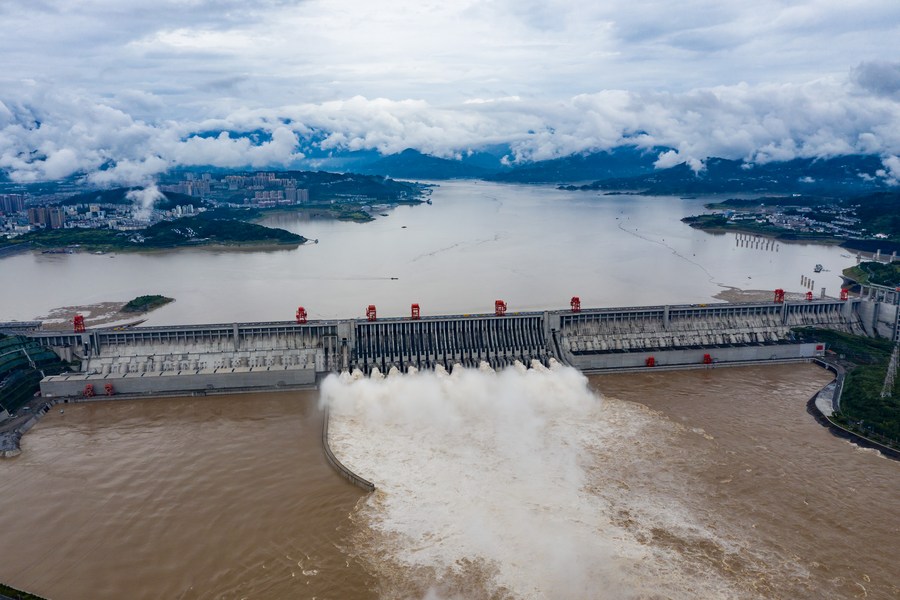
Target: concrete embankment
[[10, 437], [692, 367], [826, 402], [338, 465]]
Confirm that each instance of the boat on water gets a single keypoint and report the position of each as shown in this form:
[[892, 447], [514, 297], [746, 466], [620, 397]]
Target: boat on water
[[818, 268]]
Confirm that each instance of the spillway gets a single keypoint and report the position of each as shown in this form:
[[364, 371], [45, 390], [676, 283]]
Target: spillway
[[199, 359]]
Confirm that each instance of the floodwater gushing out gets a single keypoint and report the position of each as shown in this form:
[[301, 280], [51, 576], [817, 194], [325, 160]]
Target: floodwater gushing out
[[695, 484], [520, 483]]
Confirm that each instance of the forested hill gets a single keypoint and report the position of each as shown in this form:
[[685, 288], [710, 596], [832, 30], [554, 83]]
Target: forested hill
[[120, 196], [840, 175], [626, 161]]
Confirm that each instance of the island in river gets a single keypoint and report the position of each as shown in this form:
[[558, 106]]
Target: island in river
[[184, 232], [145, 303]]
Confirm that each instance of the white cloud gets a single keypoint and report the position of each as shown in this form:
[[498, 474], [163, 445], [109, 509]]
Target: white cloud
[[49, 135], [880, 77], [121, 90], [891, 171], [143, 200]]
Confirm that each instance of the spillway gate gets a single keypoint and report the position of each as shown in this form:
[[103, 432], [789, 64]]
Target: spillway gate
[[470, 340]]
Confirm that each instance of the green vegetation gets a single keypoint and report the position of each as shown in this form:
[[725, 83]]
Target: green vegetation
[[23, 363], [17, 594], [120, 196], [839, 175], [192, 232], [146, 303], [707, 222], [879, 213], [324, 186], [853, 221], [92, 239], [188, 231], [354, 215], [721, 224], [875, 273], [786, 201], [862, 408]]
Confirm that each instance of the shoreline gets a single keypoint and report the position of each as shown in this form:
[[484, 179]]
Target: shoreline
[[815, 410], [98, 314], [786, 237]]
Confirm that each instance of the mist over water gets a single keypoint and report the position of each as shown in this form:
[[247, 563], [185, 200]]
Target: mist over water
[[519, 483]]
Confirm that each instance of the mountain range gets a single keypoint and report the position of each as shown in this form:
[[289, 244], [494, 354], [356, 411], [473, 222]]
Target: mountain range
[[617, 170], [630, 168]]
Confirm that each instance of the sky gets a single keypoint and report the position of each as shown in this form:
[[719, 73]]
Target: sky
[[121, 90]]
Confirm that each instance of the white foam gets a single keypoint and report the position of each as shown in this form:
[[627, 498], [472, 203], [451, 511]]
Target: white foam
[[502, 468]]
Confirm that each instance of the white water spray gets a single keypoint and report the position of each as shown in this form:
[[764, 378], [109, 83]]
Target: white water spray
[[494, 476]]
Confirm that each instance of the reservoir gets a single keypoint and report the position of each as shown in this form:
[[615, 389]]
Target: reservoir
[[532, 246], [519, 484]]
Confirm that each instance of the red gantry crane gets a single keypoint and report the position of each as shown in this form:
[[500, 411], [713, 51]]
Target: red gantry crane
[[575, 303]]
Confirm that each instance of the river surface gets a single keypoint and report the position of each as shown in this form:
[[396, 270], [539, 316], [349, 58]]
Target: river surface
[[476, 243], [519, 484], [216, 497], [696, 484]]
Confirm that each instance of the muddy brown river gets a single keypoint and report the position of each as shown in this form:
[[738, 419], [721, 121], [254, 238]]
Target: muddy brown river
[[691, 484]]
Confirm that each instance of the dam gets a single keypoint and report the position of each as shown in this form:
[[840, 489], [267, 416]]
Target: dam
[[202, 359]]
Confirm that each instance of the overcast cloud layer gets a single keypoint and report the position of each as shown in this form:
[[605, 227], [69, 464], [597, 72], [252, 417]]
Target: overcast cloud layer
[[141, 87]]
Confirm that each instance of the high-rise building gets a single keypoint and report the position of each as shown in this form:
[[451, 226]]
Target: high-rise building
[[12, 203], [57, 217], [37, 215], [53, 217]]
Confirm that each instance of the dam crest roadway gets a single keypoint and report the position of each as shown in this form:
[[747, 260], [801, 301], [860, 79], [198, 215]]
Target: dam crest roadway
[[200, 359]]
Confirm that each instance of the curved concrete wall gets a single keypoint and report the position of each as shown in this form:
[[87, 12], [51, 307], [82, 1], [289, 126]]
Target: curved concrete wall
[[338, 465]]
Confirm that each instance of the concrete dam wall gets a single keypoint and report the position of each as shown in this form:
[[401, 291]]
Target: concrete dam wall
[[468, 340], [616, 338], [193, 359], [237, 356]]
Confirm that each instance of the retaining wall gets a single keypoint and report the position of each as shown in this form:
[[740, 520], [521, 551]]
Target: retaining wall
[[592, 362], [207, 381], [345, 472]]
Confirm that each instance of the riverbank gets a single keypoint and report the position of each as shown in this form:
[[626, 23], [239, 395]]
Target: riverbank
[[15, 249], [719, 224], [10, 593], [826, 402], [98, 314], [184, 232]]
